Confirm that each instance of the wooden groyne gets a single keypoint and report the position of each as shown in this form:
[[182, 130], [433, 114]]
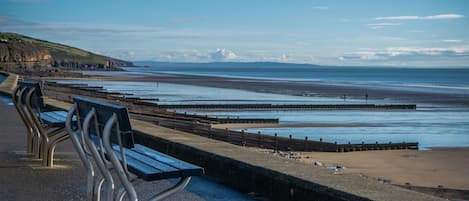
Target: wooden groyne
[[274, 142], [289, 107], [201, 125], [141, 105]]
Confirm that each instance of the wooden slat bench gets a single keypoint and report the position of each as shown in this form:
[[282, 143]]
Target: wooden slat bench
[[43, 123], [104, 135]]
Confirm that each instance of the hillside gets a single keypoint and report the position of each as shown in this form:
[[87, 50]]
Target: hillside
[[22, 51]]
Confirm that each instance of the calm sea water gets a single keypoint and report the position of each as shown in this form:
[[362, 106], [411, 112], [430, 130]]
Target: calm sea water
[[430, 126], [434, 80]]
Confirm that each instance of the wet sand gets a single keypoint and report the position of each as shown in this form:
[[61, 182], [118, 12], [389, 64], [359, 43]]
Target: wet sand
[[267, 125], [303, 88]]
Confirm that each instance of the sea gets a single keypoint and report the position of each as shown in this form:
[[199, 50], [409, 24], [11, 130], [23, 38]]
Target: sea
[[430, 125]]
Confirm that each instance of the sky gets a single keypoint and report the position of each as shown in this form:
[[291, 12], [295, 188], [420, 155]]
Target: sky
[[409, 33]]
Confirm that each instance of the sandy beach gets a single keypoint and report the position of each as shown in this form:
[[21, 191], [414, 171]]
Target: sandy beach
[[439, 167]]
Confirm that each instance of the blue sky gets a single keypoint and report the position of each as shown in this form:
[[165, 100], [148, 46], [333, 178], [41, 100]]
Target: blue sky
[[373, 33]]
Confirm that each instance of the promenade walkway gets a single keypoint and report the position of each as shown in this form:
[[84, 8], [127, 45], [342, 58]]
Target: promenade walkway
[[25, 179]]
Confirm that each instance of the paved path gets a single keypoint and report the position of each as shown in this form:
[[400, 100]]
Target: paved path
[[24, 179]]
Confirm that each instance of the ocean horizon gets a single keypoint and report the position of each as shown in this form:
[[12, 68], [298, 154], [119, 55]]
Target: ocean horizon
[[441, 80]]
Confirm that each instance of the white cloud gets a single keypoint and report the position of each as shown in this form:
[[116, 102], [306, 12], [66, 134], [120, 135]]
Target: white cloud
[[320, 7], [453, 40], [414, 17], [427, 51], [223, 55], [382, 25], [389, 53]]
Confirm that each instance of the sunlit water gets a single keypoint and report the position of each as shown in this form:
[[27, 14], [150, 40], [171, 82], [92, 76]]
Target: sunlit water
[[435, 80], [431, 126]]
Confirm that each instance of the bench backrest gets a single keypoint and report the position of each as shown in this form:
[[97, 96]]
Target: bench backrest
[[37, 97], [104, 111]]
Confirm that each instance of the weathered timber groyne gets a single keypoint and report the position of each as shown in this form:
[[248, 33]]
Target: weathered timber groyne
[[201, 125], [271, 142], [142, 105], [289, 107]]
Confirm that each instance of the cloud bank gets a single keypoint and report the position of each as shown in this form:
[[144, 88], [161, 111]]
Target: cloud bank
[[430, 17], [223, 55]]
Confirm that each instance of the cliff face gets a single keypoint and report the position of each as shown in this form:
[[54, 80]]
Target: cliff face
[[25, 52], [17, 51]]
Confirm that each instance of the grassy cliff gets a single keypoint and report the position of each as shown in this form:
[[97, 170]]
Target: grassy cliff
[[22, 51]]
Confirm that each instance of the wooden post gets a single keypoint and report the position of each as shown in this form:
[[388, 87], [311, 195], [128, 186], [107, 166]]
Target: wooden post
[[306, 143], [227, 135], [276, 142], [258, 138], [243, 140]]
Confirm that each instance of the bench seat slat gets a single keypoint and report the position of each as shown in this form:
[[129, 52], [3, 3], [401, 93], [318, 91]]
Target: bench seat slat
[[142, 170], [53, 118], [186, 169], [147, 168]]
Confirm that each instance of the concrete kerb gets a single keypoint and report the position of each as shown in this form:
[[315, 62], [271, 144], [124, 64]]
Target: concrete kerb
[[7, 86]]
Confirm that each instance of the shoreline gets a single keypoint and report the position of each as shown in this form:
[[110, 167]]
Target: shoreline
[[302, 88]]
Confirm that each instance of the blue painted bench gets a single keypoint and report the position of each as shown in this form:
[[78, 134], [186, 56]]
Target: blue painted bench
[[104, 135], [43, 123]]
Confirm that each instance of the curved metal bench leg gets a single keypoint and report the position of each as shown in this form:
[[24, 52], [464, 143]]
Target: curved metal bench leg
[[170, 191], [90, 173], [36, 145], [43, 148], [122, 191], [18, 92], [75, 136], [49, 160], [97, 188]]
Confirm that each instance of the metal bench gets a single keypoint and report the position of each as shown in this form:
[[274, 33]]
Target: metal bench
[[43, 124], [104, 136]]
